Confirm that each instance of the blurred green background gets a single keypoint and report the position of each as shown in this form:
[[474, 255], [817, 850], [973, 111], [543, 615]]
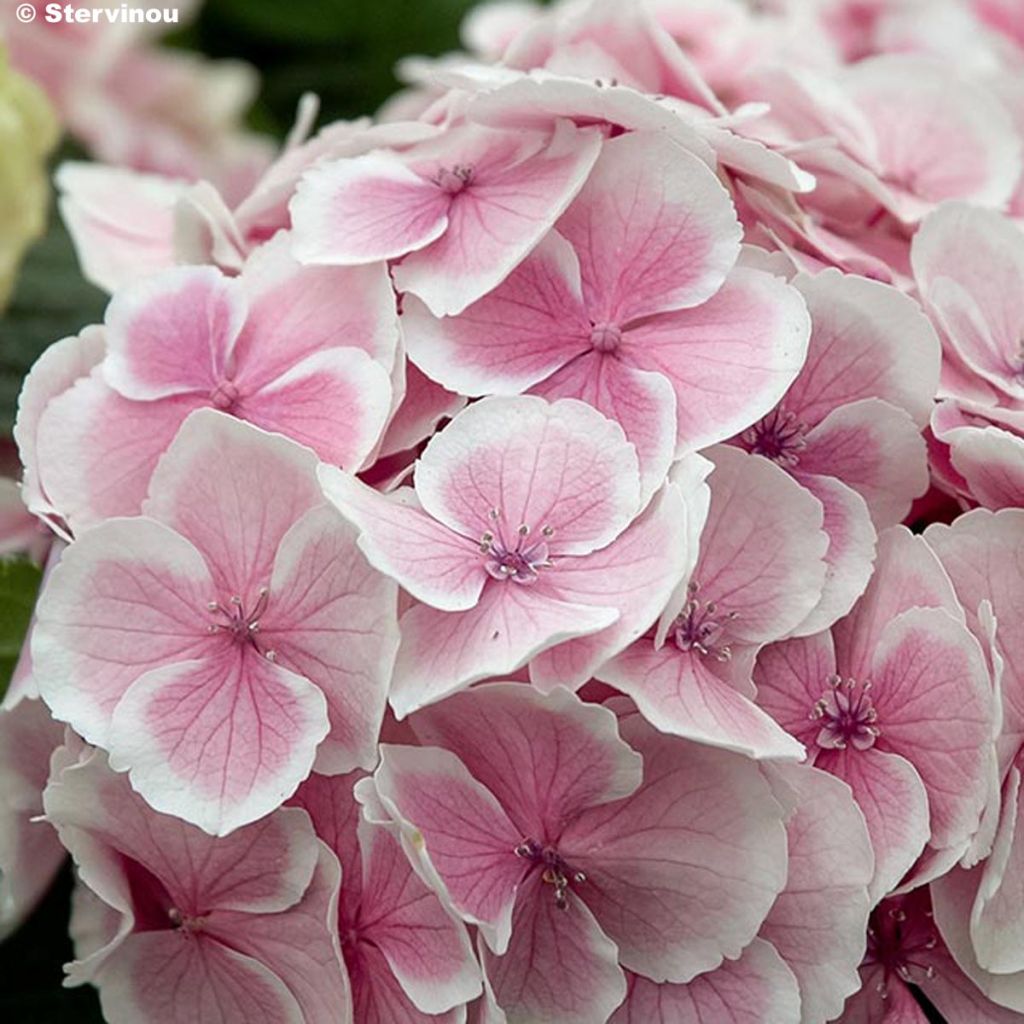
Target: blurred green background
[[345, 51]]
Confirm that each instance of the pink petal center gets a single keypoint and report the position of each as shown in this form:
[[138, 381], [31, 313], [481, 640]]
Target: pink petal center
[[847, 715], [556, 871], [518, 559], [899, 940], [224, 395], [605, 337], [453, 179], [779, 436], [701, 626], [239, 623]]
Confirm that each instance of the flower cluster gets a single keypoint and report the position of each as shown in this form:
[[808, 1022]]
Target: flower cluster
[[555, 552]]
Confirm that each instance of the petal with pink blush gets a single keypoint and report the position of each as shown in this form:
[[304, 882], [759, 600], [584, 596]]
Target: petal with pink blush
[[88, 431], [121, 221], [730, 359], [336, 402], [654, 230], [819, 921], [511, 200], [851, 550], [991, 461], [894, 802], [157, 977], [365, 208], [233, 491], [641, 402], [635, 574], [677, 693], [560, 467], [219, 742], [877, 450], [762, 551], [426, 948], [442, 652], [172, 334], [907, 575], [464, 839], [518, 744], [755, 988], [422, 408], [868, 340], [682, 872], [379, 998], [530, 325], [129, 596], [333, 619], [559, 964], [931, 690]]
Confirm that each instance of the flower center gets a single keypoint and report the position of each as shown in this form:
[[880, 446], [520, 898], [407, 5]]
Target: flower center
[[900, 943], [701, 627], [224, 395], [184, 922], [556, 872], [453, 179], [605, 337], [242, 625], [779, 436], [518, 561], [847, 716]]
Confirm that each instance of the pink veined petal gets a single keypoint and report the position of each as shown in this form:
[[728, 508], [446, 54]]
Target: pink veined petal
[[894, 802], [992, 462], [997, 925], [730, 359], [463, 838], [331, 618], [121, 221], [791, 677], [877, 450], [545, 758], [336, 402], [907, 575], [851, 550], [559, 466], [155, 976], [868, 1007], [299, 946], [421, 409], [682, 872], [755, 988], [984, 555], [935, 706], [379, 998], [172, 334], [654, 230], [495, 221], [432, 563], [262, 868], [129, 596], [762, 551], [97, 450], [677, 693], [559, 964], [296, 311], [868, 340], [636, 574], [365, 208], [819, 922], [530, 325], [233, 491], [641, 402], [219, 742], [426, 948], [443, 652]]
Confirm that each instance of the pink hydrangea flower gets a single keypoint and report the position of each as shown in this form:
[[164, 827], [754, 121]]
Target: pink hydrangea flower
[[524, 529], [176, 925], [577, 845], [306, 352], [758, 575], [632, 304], [459, 212], [408, 958], [897, 701], [222, 641]]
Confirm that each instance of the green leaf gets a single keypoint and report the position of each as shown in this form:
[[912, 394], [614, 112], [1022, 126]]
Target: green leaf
[[19, 585]]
